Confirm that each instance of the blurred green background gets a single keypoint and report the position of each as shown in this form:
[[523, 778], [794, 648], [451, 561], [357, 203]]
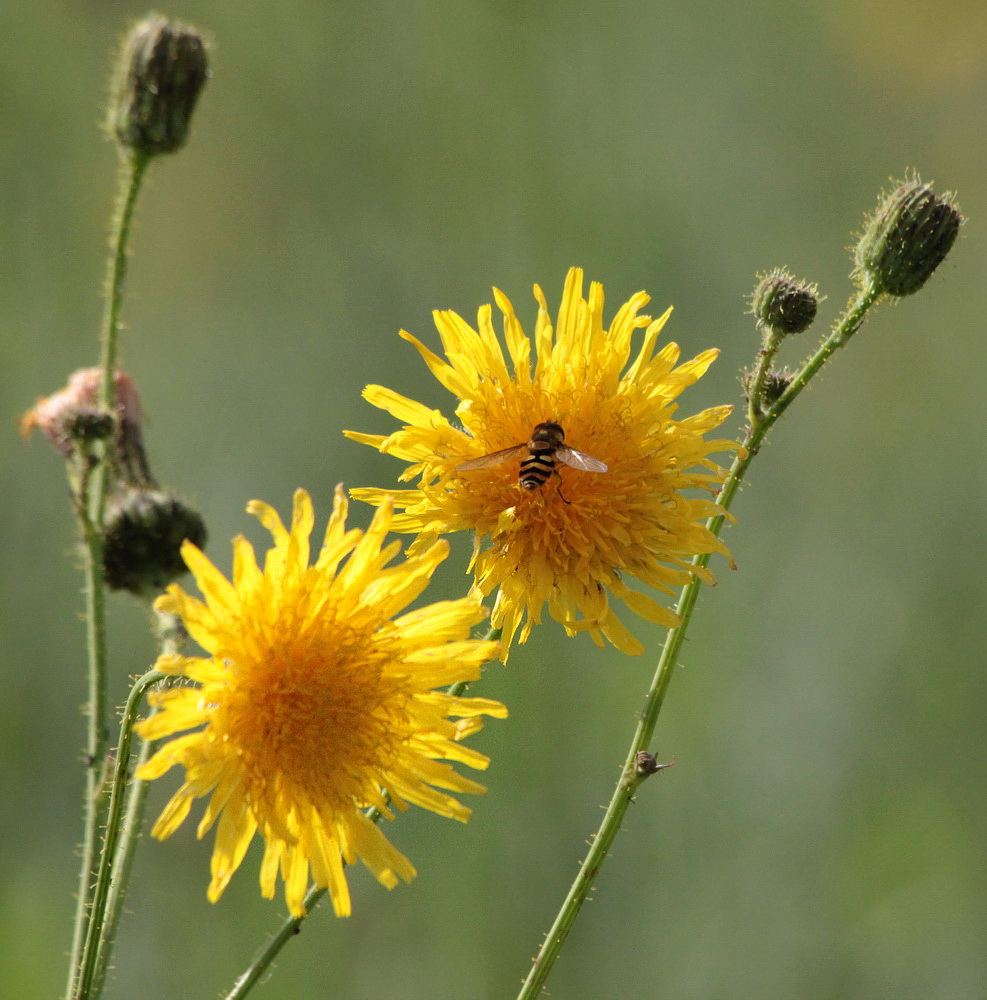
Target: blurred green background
[[352, 167]]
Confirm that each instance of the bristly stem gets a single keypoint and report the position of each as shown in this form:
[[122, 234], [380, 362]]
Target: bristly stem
[[269, 951], [132, 168], [99, 919], [769, 348], [173, 637], [632, 775], [90, 501]]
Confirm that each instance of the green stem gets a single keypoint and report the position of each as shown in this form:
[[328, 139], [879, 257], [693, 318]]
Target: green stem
[[130, 831], [269, 951], [132, 168], [99, 919], [90, 503], [769, 348], [266, 955], [848, 324], [173, 637], [97, 732], [632, 776]]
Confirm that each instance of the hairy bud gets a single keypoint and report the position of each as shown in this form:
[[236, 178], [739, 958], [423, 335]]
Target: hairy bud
[[783, 304], [907, 238], [160, 73], [142, 540]]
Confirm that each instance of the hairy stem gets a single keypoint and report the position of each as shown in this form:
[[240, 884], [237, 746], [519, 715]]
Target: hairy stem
[[90, 501], [632, 775]]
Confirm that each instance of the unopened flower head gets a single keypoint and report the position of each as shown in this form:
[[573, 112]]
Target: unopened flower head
[[773, 385], [161, 70], [315, 701], [571, 534], [907, 238], [784, 305], [142, 539]]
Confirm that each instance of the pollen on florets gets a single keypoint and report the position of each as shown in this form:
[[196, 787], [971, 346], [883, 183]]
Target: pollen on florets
[[565, 532]]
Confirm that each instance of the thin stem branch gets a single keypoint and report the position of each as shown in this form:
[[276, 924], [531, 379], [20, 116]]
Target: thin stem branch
[[173, 637], [631, 776], [133, 820], [108, 871], [769, 348], [262, 960], [133, 165]]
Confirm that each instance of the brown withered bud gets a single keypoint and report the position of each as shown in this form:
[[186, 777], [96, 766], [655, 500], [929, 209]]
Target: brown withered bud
[[73, 413]]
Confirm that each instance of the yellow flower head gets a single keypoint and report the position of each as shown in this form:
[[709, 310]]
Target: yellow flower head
[[315, 702], [572, 540]]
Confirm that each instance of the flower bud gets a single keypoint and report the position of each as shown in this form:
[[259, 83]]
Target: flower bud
[[72, 414], [645, 764], [783, 304], [143, 537], [772, 387], [907, 238], [161, 70]]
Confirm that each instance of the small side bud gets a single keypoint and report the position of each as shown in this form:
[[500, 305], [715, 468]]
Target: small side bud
[[143, 537], [907, 238], [645, 764], [772, 387], [783, 304], [160, 72]]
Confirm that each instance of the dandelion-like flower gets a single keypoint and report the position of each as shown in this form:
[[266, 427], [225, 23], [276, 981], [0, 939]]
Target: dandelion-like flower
[[570, 542], [315, 702]]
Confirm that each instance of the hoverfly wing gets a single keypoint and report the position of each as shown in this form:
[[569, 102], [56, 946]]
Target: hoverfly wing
[[580, 460], [494, 458]]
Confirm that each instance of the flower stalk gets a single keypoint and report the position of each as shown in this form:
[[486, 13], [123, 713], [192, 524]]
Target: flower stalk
[[90, 503], [97, 941], [632, 775], [154, 58]]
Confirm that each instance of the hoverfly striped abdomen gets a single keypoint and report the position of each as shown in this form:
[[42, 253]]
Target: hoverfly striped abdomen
[[539, 456], [542, 448]]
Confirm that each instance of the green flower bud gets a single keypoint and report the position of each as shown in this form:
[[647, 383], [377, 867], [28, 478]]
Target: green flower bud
[[773, 385], [907, 238], [783, 304], [160, 73], [143, 538]]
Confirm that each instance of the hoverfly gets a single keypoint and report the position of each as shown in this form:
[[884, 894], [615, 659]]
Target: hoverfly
[[541, 452]]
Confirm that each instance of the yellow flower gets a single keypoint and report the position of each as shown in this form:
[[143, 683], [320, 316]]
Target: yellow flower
[[572, 542], [316, 702]]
